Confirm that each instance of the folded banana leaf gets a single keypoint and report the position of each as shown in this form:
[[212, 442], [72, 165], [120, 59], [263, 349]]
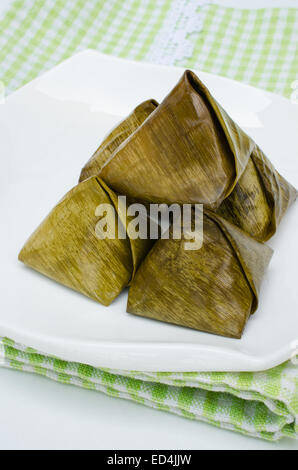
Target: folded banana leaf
[[181, 152], [116, 137], [260, 199], [213, 289], [190, 151], [69, 247]]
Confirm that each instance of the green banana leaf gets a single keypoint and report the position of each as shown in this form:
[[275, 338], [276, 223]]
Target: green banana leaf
[[180, 153], [260, 199], [67, 247], [190, 151], [213, 289], [116, 137]]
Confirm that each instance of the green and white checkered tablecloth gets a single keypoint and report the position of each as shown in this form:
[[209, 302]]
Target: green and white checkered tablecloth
[[258, 47]]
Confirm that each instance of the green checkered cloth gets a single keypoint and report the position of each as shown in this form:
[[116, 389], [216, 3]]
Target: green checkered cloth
[[260, 404], [258, 47]]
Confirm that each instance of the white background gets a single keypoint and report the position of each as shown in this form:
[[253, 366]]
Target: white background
[[36, 413]]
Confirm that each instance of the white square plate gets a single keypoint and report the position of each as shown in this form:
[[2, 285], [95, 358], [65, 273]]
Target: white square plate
[[48, 130]]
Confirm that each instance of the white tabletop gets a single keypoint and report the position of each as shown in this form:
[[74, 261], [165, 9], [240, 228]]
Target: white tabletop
[[37, 413]]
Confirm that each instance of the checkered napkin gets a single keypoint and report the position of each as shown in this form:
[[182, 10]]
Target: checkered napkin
[[258, 47], [260, 404]]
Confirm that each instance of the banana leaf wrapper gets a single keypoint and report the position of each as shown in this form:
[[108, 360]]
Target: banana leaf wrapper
[[115, 138], [67, 249], [190, 151], [181, 153], [214, 289], [260, 199]]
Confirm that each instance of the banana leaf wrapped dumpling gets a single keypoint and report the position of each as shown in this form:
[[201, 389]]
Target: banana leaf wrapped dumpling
[[115, 138], [190, 151], [260, 198], [213, 289], [179, 154], [69, 246]]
